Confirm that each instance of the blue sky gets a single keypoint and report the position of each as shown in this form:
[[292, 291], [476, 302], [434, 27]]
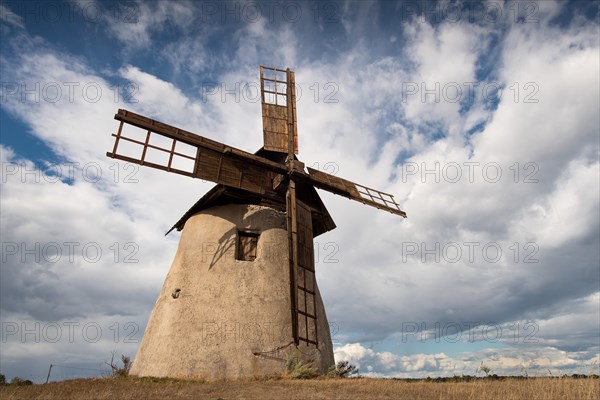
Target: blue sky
[[480, 117]]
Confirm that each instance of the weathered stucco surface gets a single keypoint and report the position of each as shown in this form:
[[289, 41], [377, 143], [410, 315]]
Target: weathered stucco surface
[[226, 310]]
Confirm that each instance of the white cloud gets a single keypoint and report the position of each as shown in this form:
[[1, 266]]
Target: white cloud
[[550, 76], [134, 23], [163, 100], [67, 244], [571, 205], [10, 17], [534, 362], [436, 81]]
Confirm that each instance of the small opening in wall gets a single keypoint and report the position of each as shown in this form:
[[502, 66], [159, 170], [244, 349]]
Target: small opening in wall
[[246, 246], [175, 294]]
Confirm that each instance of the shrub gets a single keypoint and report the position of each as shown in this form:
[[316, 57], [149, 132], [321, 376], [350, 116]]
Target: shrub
[[485, 369], [2, 380], [297, 368], [16, 381], [342, 369], [120, 372]]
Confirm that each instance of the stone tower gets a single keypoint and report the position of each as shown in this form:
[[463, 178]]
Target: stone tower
[[224, 308]]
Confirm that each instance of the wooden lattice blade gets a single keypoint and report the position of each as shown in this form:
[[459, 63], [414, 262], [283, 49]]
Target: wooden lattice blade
[[278, 103], [208, 159], [306, 304], [354, 191], [302, 270]]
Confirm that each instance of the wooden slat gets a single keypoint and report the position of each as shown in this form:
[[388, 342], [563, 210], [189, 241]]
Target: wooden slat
[[145, 147], [275, 69], [354, 191], [304, 339], [306, 290], [118, 136], [274, 80], [307, 314], [171, 154]]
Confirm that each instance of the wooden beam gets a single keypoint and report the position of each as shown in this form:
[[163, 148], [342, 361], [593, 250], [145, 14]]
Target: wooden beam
[[293, 256]]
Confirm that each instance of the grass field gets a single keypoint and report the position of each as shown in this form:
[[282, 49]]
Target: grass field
[[356, 388]]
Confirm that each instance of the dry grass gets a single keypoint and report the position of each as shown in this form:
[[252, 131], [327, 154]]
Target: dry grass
[[362, 388]]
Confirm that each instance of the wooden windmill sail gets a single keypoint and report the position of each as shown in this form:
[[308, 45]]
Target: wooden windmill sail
[[276, 180]]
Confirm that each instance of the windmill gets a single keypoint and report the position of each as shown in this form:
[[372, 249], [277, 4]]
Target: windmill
[[267, 192]]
